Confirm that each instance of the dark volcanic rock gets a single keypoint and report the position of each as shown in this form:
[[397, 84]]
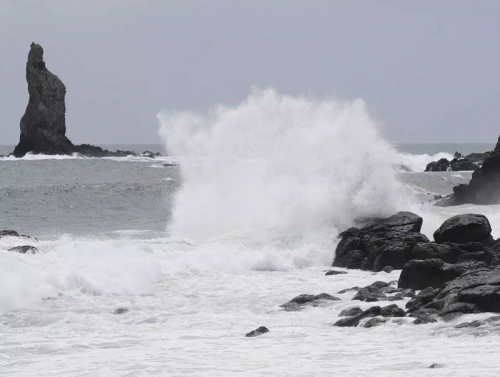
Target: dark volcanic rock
[[13, 233], [465, 228], [300, 301], [374, 322], [457, 164], [462, 164], [261, 330], [121, 310], [8, 233], [441, 165], [334, 272], [43, 125], [476, 290], [420, 274], [388, 242], [354, 321], [355, 310], [371, 293], [484, 186], [392, 311], [25, 249]]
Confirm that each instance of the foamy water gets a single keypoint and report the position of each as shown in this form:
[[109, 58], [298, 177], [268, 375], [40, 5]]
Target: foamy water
[[266, 187]]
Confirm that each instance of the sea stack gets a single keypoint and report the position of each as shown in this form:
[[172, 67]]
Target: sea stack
[[43, 125]]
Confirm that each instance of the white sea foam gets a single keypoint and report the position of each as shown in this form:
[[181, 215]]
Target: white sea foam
[[417, 162], [278, 172]]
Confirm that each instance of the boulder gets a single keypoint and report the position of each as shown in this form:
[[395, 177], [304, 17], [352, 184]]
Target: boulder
[[300, 301], [25, 249], [355, 310], [420, 274], [334, 272], [354, 321], [441, 165], [462, 164], [476, 290], [466, 228], [260, 331], [386, 242], [120, 310]]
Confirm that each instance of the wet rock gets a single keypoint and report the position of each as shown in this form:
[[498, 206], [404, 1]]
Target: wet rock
[[372, 292], [356, 288], [169, 164], [388, 269], [24, 249], [121, 310], [334, 272], [484, 186], [387, 242], [300, 301], [261, 330], [349, 312], [462, 229], [432, 366], [373, 322], [441, 165], [354, 321], [392, 311], [476, 290], [43, 125], [419, 274], [8, 233]]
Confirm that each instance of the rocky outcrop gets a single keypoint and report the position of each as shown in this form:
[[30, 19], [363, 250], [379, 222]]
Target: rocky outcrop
[[43, 125], [484, 186], [466, 228], [260, 331], [300, 301], [24, 249], [457, 164], [388, 242], [477, 290]]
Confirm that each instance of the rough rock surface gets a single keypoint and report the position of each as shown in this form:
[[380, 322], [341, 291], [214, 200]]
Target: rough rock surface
[[300, 301], [261, 330], [476, 290], [465, 228], [420, 274], [25, 249], [484, 186], [388, 242], [457, 164], [43, 125]]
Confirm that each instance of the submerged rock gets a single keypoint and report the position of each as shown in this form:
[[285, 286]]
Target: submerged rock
[[261, 330], [334, 272], [121, 310], [25, 249], [300, 301]]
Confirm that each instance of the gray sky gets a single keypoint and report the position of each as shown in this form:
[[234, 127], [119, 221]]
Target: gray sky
[[428, 70]]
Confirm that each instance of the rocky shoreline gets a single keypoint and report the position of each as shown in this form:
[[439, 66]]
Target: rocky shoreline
[[457, 273]]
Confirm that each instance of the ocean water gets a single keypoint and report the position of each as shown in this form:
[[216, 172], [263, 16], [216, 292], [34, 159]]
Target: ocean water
[[204, 252]]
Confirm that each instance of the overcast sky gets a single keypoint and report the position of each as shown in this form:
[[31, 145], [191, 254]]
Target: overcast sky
[[428, 70]]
